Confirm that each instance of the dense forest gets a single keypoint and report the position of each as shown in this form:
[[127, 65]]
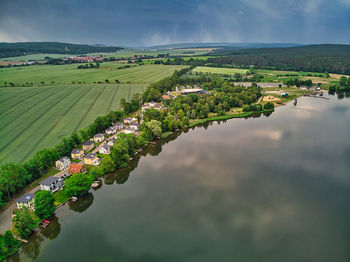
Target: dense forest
[[25, 48], [312, 58]]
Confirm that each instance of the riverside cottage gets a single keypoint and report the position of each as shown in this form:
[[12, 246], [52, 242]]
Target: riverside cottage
[[77, 153], [105, 149], [91, 159], [25, 200], [88, 145], [62, 163], [51, 183], [111, 131], [76, 168], [118, 125], [99, 138]]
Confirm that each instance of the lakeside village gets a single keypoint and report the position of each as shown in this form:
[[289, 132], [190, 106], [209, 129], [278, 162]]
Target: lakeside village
[[92, 155]]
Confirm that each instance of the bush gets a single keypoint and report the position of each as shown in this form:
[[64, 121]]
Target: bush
[[78, 184], [269, 106], [44, 204]]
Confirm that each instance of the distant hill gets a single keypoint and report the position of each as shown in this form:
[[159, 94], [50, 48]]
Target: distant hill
[[25, 48], [225, 46], [314, 58]]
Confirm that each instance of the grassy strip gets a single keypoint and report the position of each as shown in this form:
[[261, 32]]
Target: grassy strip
[[217, 118], [166, 134]]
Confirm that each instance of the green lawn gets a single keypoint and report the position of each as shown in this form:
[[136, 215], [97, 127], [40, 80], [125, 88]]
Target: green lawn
[[67, 74], [219, 70], [33, 118]]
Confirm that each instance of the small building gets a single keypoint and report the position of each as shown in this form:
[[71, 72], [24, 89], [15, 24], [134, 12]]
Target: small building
[[51, 183], [26, 200], [118, 125], [110, 130], [105, 149], [76, 168], [165, 97], [77, 153], [111, 142], [62, 163], [99, 138], [135, 126], [91, 159], [153, 105], [129, 130], [88, 145], [188, 91], [129, 120]]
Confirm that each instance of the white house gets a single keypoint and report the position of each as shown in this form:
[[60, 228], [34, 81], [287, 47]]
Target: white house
[[129, 120], [105, 149], [110, 130], [51, 183], [111, 142], [62, 163], [25, 200], [129, 130], [118, 125], [99, 138], [135, 126]]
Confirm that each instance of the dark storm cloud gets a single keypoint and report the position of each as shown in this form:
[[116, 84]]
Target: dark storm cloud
[[154, 22]]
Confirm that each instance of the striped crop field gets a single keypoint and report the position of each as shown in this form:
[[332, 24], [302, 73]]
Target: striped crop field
[[219, 70], [68, 74], [33, 118]]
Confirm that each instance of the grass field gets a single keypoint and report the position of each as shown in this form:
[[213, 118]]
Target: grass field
[[274, 75], [219, 70], [66, 74], [33, 118]]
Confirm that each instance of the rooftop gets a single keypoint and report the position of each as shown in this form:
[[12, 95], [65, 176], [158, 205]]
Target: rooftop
[[92, 155], [75, 168], [88, 143], [48, 181], [76, 151], [25, 198]]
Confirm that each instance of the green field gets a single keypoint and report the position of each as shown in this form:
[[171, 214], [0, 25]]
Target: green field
[[67, 74], [35, 118], [219, 70], [33, 57]]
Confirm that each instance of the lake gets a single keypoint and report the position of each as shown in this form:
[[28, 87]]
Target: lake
[[273, 188]]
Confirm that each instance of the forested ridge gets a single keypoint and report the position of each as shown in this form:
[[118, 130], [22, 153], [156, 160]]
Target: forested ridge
[[25, 48], [313, 58]]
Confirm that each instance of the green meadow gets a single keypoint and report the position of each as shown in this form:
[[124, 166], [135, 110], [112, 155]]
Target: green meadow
[[219, 70], [33, 118], [68, 74]]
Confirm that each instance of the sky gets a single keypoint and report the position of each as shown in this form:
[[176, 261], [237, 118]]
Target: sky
[[156, 22]]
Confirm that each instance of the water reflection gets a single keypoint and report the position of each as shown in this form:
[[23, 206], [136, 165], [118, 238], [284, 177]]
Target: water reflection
[[82, 204], [266, 189]]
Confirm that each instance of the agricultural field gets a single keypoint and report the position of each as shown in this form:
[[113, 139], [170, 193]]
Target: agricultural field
[[274, 75], [68, 74], [219, 70], [35, 57], [33, 118]]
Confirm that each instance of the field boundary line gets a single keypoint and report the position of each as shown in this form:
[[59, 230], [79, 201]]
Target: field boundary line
[[113, 97], [32, 123], [41, 100], [56, 123], [89, 108], [21, 101], [25, 93]]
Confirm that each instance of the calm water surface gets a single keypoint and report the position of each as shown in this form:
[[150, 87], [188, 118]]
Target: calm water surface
[[272, 188]]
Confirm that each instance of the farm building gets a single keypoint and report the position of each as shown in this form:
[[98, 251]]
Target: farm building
[[62, 163], [76, 168], [51, 183], [99, 138], [77, 153], [25, 200], [88, 145], [91, 159], [153, 105], [105, 149]]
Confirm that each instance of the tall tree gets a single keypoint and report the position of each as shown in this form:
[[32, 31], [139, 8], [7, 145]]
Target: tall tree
[[44, 204]]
